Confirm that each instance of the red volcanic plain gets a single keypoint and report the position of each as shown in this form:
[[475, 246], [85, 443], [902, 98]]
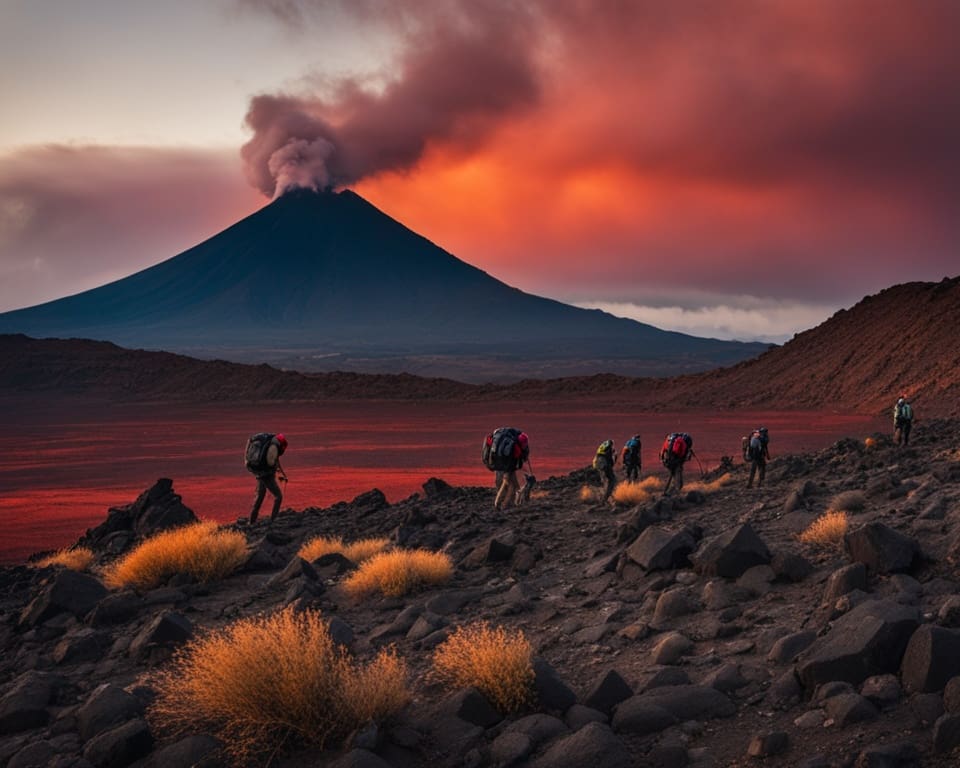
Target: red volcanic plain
[[65, 464]]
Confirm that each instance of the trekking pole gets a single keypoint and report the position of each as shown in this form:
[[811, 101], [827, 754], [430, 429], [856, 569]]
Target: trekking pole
[[702, 473]]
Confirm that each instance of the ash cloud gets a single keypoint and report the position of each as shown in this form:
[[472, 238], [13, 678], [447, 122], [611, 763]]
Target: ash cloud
[[460, 72]]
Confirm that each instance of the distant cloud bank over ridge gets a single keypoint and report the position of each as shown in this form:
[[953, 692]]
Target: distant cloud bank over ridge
[[740, 318]]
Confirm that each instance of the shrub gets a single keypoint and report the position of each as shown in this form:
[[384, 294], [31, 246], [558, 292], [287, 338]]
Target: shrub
[[827, 530], [538, 494], [399, 573], [849, 501], [640, 492], [712, 486], [496, 662], [76, 559], [201, 550], [870, 443], [356, 552], [588, 494], [264, 682]]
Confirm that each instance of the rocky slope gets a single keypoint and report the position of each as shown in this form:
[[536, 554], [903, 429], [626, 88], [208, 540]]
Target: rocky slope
[[902, 340], [695, 630]]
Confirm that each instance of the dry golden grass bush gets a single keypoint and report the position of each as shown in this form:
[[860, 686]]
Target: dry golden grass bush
[[589, 494], [712, 486], [870, 443], [355, 552], [639, 492], [538, 494], [497, 662], [399, 572], [202, 550], [268, 681], [827, 530], [849, 501], [76, 559]]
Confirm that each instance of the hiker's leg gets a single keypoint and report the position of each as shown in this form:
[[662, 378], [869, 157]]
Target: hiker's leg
[[680, 477], [611, 482], [508, 489], [274, 488], [753, 471], [666, 488], [906, 432], [258, 500], [497, 479], [763, 473]]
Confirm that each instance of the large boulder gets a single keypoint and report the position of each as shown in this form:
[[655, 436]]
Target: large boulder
[[869, 640], [156, 509], [731, 553], [108, 706], [931, 659], [593, 745], [659, 549], [690, 702], [164, 632], [119, 746], [25, 703], [67, 592], [881, 549]]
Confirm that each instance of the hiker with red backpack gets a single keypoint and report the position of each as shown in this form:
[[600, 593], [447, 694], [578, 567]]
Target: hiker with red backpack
[[902, 420], [262, 459], [603, 462], [676, 451], [504, 451], [631, 458], [757, 452]]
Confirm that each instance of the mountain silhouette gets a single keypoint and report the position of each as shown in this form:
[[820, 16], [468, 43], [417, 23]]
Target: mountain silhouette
[[316, 278]]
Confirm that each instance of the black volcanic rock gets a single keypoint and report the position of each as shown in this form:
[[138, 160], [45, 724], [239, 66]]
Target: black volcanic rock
[[328, 272]]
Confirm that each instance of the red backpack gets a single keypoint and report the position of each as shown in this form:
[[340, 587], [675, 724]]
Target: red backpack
[[676, 448]]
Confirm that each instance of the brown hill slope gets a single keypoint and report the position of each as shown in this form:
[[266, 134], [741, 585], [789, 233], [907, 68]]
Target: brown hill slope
[[903, 339]]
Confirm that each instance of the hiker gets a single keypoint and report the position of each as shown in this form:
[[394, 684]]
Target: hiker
[[262, 458], [631, 458], [758, 454], [677, 449], [902, 420], [603, 462], [504, 451]]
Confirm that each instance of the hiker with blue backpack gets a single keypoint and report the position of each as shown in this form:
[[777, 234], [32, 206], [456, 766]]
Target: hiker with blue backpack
[[603, 462], [262, 459], [677, 449], [902, 420], [630, 459], [504, 451], [756, 450]]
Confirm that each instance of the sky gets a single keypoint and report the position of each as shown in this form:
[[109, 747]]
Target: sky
[[737, 169]]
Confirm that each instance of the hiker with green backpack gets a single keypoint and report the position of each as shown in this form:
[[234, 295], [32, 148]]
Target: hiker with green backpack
[[902, 420], [631, 458], [757, 451], [603, 462], [262, 460]]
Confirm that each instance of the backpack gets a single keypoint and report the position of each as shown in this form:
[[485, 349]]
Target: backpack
[[604, 457], [676, 449], [631, 452], [255, 454], [906, 413], [758, 444], [503, 450]]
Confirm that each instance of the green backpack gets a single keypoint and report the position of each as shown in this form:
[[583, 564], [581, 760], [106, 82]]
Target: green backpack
[[604, 457]]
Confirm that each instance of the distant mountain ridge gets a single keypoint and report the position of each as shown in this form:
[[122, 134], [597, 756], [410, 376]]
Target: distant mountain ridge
[[902, 340], [321, 281]]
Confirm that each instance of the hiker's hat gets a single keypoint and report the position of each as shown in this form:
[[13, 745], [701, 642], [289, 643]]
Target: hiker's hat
[[282, 442]]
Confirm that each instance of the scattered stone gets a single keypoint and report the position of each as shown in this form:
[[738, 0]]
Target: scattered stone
[[578, 716], [732, 553], [691, 702], [811, 720], [510, 747], [593, 745], [163, 633], [496, 549], [39, 753], [831, 689], [849, 708], [791, 567], [82, 646], [844, 580], [639, 717], [788, 647], [932, 657], [946, 734], [200, 751], [24, 705], [673, 647], [727, 678], [553, 695], [115, 609], [369, 502], [784, 692], [68, 592], [869, 640], [119, 746], [296, 568], [768, 744], [108, 706], [882, 690], [719, 594], [881, 549], [665, 676], [670, 605], [949, 613], [435, 488], [951, 696], [360, 758], [452, 601], [609, 691], [927, 707], [897, 755], [340, 632], [660, 549], [473, 707]]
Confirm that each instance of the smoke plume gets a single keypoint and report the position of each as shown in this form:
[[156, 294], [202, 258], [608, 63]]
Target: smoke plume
[[457, 76]]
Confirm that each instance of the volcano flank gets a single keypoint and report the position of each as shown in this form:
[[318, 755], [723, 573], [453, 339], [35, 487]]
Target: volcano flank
[[325, 281]]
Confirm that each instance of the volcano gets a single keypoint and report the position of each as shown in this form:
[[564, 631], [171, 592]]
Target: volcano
[[325, 280]]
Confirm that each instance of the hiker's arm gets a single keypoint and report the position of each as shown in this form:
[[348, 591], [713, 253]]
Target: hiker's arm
[[283, 474]]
